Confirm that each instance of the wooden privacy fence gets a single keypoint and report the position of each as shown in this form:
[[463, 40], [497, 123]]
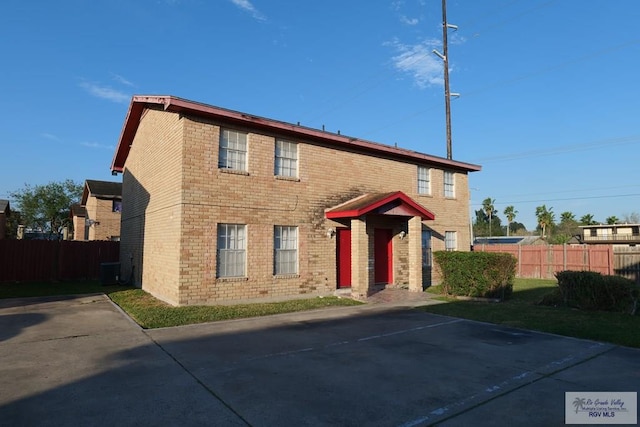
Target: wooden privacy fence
[[626, 262], [46, 260], [543, 261]]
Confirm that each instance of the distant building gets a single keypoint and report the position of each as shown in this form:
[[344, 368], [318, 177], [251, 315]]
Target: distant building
[[5, 212], [611, 234], [509, 240], [97, 216]]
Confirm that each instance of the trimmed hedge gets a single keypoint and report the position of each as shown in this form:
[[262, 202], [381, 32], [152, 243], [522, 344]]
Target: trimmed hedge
[[477, 274], [588, 290]]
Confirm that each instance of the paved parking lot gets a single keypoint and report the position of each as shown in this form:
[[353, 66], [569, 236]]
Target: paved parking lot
[[80, 361]]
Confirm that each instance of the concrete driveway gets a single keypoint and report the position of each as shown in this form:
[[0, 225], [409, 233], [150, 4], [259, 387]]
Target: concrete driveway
[[81, 361]]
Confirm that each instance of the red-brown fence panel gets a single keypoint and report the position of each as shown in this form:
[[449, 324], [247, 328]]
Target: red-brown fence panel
[[543, 261], [45, 260]]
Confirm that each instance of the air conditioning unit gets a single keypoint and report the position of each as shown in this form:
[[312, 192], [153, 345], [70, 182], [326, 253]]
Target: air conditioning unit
[[109, 273]]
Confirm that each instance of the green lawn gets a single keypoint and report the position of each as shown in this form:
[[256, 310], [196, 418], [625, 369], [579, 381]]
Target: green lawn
[[522, 311], [150, 312]]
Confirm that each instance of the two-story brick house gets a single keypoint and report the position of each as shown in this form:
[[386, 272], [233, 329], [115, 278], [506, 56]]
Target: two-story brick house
[[97, 216], [222, 206]]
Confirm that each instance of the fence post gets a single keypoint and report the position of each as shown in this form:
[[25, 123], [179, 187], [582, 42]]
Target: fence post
[[519, 260]]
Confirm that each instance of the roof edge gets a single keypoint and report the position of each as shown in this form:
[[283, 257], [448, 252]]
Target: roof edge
[[174, 104]]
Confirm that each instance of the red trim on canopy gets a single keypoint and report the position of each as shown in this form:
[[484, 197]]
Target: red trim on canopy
[[379, 203]]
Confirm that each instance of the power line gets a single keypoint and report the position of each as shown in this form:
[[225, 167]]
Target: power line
[[590, 189], [503, 83], [511, 18], [609, 196], [562, 149], [557, 66], [378, 78]]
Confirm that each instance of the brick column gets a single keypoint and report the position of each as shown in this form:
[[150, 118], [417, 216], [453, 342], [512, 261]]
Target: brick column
[[415, 254], [359, 259]]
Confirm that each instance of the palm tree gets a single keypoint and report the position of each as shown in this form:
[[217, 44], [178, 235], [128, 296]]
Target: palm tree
[[510, 213], [545, 218], [612, 220], [489, 209], [587, 219], [566, 217]]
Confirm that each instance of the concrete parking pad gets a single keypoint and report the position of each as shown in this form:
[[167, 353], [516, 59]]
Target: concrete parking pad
[[81, 361], [78, 361]]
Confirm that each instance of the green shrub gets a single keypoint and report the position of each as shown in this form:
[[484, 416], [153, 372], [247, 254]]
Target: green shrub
[[477, 274], [553, 298], [588, 290]]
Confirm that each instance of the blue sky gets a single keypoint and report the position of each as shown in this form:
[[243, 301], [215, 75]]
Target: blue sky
[[549, 103]]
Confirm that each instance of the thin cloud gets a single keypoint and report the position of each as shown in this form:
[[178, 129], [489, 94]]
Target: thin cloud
[[409, 21], [397, 4], [418, 61], [50, 136], [248, 7], [121, 80], [96, 145], [105, 92]]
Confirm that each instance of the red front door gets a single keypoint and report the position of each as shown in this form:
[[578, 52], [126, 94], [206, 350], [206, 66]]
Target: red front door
[[344, 257], [382, 255]]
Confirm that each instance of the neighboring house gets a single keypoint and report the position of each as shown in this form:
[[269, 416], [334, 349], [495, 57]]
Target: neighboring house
[[79, 217], [97, 216], [5, 212], [509, 240], [223, 206], [611, 234]]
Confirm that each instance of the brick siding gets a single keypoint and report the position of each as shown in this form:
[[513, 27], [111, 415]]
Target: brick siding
[[175, 196]]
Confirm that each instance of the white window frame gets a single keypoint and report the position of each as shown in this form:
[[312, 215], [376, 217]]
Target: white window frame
[[285, 250], [450, 241], [449, 185], [286, 159], [232, 153], [424, 180], [232, 250]]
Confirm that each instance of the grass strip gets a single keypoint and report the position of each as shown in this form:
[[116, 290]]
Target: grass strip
[[522, 311], [149, 312]]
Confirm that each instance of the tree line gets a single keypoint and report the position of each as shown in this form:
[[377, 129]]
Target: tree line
[[488, 223], [44, 208]]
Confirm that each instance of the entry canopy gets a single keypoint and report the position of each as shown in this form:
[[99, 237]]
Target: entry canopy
[[396, 203]]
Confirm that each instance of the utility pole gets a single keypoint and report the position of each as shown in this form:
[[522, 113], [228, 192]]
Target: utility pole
[[445, 59]]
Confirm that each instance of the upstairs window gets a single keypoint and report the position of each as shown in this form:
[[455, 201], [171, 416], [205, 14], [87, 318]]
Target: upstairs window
[[116, 206], [449, 185], [233, 150], [424, 180], [286, 159]]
